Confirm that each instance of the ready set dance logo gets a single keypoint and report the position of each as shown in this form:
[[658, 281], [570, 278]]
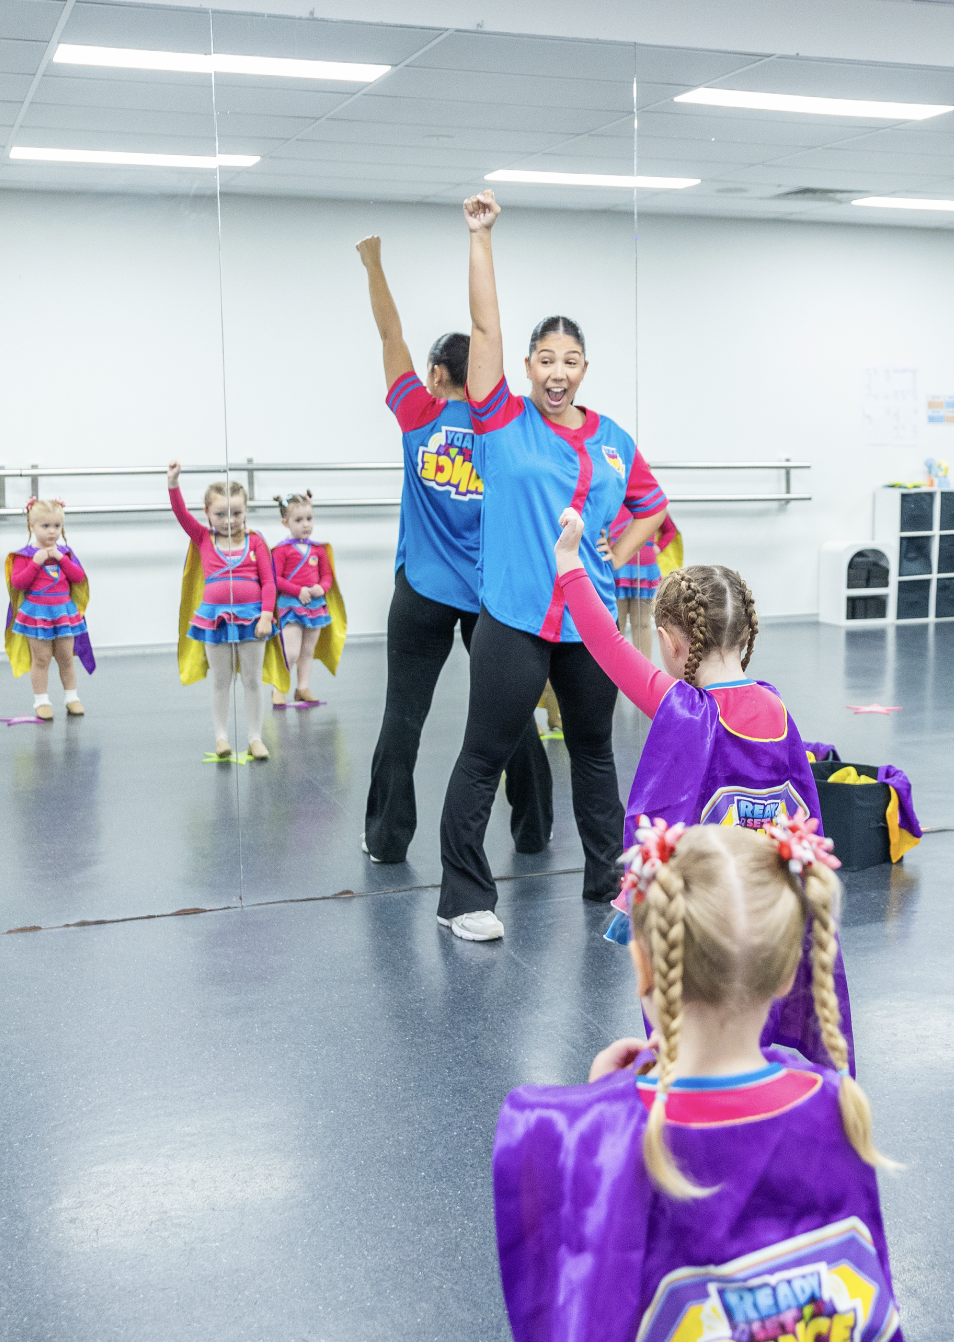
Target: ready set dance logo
[[824, 1286], [444, 462]]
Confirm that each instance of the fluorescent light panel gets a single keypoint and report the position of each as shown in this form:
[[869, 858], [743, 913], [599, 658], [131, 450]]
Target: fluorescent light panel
[[904, 203], [591, 179], [187, 62], [122, 159], [791, 102]]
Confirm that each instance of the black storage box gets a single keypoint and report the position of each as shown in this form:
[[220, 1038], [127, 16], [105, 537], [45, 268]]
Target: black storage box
[[853, 815]]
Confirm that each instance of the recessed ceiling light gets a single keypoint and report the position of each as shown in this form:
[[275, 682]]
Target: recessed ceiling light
[[187, 62], [591, 179], [904, 203], [121, 158], [791, 102]]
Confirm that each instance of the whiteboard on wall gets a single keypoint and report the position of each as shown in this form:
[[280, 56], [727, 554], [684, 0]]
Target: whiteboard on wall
[[890, 406]]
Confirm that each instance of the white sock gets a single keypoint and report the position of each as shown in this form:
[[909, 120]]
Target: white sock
[[71, 697], [41, 699]]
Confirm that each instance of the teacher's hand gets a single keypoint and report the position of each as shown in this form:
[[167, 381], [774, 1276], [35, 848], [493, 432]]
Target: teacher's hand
[[481, 211]]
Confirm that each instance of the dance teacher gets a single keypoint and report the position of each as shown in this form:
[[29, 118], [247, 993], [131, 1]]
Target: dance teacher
[[536, 455]]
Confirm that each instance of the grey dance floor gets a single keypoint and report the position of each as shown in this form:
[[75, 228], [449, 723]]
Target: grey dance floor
[[274, 1121]]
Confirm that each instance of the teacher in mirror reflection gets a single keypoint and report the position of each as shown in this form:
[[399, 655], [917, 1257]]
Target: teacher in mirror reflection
[[537, 455], [435, 583]]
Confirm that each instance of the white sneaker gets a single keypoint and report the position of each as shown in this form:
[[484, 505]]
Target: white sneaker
[[366, 849], [481, 926]]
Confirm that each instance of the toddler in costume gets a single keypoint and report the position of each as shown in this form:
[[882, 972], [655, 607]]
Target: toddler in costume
[[722, 749], [637, 581], [227, 611], [46, 617], [304, 577], [723, 1192]]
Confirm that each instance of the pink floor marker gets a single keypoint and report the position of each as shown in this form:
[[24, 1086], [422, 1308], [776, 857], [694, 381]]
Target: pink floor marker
[[302, 703], [24, 717], [872, 708]]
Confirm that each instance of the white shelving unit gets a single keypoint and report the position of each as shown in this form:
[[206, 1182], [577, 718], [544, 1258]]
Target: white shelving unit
[[916, 529], [856, 583]]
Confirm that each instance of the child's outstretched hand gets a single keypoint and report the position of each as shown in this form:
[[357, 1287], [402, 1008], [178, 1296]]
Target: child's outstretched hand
[[567, 548], [481, 211], [172, 474]]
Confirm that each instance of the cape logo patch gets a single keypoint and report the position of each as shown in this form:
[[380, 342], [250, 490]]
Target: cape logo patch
[[752, 808], [614, 459], [823, 1286], [444, 463]]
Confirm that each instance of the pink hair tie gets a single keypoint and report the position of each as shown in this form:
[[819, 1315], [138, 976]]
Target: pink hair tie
[[60, 500], [799, 846], [30, 502], [655, 844]]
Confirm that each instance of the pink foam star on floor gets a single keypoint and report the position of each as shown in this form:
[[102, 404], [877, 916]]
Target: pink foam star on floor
[[871, 708]]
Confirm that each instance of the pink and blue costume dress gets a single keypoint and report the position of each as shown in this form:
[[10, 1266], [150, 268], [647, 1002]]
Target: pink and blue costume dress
[[790, 1246], [728, 754], [301, 564], [237, 587], [47, 609], [641, 577]]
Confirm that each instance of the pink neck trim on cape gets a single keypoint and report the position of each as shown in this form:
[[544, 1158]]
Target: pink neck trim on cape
[[751, 711], [734, 1104]]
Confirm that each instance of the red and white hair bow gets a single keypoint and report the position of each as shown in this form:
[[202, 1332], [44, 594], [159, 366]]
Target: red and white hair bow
[[799, 845], [29, 503], [655, 844]]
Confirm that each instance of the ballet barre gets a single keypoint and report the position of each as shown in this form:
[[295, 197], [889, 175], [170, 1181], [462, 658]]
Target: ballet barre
[[250, 468]]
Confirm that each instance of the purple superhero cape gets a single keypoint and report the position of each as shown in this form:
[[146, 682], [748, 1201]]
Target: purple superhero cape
[[591, 1251], [695, 769], [82, 647]]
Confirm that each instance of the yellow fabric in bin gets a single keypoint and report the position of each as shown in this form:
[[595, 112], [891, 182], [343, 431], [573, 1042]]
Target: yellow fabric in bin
[[900, 840]]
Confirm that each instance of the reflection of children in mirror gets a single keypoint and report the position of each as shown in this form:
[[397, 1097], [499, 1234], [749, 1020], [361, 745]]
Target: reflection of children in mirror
[[44, 579], [303, 576], [233, 621]]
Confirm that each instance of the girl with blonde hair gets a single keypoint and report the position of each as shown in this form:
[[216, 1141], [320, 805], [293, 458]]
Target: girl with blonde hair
[[722, 1191], [46, 617], [723, 748]]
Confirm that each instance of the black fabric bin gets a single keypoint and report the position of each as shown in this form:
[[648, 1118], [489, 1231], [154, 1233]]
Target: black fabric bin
[[853, 815]]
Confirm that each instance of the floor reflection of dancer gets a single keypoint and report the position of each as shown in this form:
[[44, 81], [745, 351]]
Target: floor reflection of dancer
[[535, 453], [435, 585]]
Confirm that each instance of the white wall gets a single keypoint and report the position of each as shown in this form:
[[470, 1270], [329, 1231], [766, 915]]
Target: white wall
[[753, 340], [110, 353]]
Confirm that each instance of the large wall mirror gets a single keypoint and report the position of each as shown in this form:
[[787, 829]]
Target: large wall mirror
[[111, 333]]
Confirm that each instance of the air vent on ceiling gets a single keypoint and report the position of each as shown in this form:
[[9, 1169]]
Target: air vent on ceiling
[[820, 193]]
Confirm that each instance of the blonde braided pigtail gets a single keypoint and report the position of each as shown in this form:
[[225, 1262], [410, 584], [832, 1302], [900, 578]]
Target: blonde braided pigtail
[[694, 613], [752, 621], [821, 887], [665, 927]]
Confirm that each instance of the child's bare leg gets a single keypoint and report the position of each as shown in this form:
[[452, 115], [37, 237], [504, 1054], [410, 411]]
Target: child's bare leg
[[41, 654], [641, 622], [289, 642], [63, 652], [306, 658], [622, 605], [552, 705]]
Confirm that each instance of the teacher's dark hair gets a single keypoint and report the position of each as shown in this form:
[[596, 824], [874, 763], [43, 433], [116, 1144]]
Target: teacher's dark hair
[[451, 351], [557, 326]]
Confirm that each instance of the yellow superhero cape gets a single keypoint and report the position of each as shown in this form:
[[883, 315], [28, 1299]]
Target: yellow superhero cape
[[900, 840], [671, 557], [16, 646], [331, 640], [193, 663]]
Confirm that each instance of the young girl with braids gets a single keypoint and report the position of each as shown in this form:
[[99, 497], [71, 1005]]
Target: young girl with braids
[[722, 749], [303, 576], [227, 629], [725, 1192], [46, 616]]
